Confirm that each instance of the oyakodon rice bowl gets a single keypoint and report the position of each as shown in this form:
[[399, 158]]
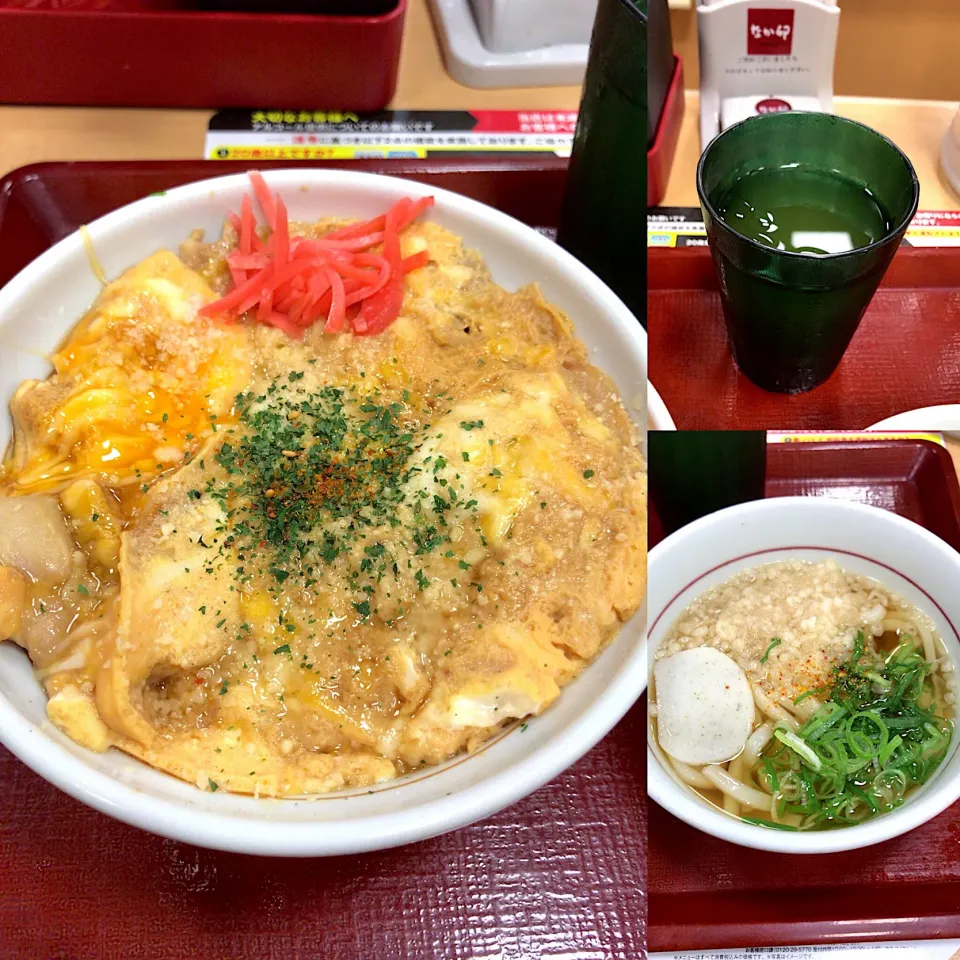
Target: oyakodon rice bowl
[[342, 461], [802, 680]]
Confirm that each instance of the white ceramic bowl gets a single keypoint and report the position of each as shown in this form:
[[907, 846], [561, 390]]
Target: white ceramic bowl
[[38, 307], [945, 417], [658, 417], [905, 557]]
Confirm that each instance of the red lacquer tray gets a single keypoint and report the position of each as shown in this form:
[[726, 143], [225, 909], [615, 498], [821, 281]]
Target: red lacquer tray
[[664, 147], [162, 53], [708, 893], [905, 355], [562, 873]]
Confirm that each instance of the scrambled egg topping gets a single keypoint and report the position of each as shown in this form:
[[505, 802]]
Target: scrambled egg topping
[[285, 567], [135, 383]]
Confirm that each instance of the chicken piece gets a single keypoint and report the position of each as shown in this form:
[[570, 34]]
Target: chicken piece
[[34, 538]]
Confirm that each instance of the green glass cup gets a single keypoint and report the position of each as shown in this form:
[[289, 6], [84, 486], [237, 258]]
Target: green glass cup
[[603, 221], [790, 315], [693, 473]]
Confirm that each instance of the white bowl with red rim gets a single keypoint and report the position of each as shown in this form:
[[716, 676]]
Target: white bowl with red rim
[[48, 297], [903, 556]]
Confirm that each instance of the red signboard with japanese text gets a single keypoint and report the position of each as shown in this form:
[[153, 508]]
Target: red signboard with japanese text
[[769, 33]]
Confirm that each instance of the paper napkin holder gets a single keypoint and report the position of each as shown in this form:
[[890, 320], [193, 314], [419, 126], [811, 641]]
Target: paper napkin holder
[[758, 57]]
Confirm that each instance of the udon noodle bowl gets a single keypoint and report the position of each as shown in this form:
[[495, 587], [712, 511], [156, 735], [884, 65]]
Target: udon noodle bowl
[[801, 696]]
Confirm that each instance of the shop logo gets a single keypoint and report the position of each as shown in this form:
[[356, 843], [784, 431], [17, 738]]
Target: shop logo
[[769, 33], [773, 105]]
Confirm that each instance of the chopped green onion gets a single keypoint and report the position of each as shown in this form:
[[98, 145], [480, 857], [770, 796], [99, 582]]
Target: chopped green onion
[[770, 771], [810, 693], [877, 679], [823, 720], [795, 743], [875, 738], [768, 823], [773, 643], [887, 752]]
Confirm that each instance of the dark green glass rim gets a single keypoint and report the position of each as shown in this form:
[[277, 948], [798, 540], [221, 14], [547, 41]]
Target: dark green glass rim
[[721, 225]]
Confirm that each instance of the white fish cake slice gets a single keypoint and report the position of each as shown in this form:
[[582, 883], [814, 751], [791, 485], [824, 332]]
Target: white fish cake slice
[[705, 709]]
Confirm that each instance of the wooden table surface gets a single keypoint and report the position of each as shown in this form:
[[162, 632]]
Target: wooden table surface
[[916, 126]]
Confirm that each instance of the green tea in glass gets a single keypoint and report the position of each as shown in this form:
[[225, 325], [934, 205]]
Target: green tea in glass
[[696, 472], [804, 212]]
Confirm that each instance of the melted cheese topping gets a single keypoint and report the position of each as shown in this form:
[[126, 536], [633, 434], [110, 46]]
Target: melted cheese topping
[[305, 566]]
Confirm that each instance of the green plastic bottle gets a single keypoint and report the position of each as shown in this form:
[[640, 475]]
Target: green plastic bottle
[[603, 221], [697, 472]]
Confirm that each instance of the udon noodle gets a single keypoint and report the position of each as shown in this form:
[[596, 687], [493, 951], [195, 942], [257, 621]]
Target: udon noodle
[[847, 697]]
